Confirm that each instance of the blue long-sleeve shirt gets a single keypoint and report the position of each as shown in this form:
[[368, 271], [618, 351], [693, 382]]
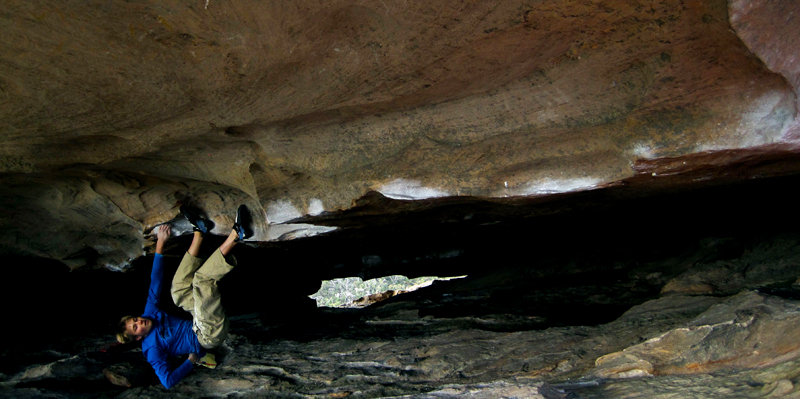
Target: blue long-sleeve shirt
[[170, 336]]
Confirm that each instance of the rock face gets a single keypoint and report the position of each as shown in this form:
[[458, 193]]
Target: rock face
[[748, 18], [614, 178], [564, 328], [113, 113]]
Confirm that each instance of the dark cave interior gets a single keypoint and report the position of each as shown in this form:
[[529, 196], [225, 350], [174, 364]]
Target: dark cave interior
[[574, 259]]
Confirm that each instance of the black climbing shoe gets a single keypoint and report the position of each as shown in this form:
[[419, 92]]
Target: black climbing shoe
[[198, 222], [244, 223]]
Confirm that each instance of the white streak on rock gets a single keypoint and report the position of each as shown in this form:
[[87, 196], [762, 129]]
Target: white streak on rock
[[643, 150], [410, 190], [553, 186], [282, 232], [282, 211], [315, 207], [766, 122]]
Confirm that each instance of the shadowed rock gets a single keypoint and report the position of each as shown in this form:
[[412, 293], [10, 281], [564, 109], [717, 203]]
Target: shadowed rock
[[615, 178]]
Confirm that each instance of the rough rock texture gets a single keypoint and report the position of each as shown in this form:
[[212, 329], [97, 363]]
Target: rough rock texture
[[560, 330], [749, 18], [113, 112], [615, 178]]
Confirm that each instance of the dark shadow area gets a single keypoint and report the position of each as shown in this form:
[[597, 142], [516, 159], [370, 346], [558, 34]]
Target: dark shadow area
[[572, 259], [585, 260]]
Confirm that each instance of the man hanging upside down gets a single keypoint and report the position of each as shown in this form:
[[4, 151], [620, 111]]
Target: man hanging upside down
[[194, 289]]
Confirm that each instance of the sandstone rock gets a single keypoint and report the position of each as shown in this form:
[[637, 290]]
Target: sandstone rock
[[494, 389], [412, 346], [66, 219], [76, 369], [324, 116], [747, 331], [128, 374], [302, 109], [768, 29], [755, 267]]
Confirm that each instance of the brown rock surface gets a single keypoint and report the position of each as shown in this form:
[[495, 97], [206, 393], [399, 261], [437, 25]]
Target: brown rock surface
[[303, 107], [615, 179], [747, 331], [473, 338], [771, 29]]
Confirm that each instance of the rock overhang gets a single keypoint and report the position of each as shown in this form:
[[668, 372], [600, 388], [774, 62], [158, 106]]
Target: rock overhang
[[115, 114], [575, 159]]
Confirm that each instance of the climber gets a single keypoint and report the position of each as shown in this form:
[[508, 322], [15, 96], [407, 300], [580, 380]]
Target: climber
[[194, 289]]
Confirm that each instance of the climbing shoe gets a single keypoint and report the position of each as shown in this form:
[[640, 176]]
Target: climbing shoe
[[198, 222], [243, 224]]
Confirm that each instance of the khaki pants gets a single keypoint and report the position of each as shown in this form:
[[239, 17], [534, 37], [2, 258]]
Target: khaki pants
[[195, 290]]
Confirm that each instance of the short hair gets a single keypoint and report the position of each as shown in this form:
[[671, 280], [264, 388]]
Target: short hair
[[122, 332]]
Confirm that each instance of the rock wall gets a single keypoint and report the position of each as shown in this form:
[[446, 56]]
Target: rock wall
[[579, 319], [614, 177], [113, 113]]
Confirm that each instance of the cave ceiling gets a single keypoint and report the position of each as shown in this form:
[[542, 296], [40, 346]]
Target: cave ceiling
[[113, 113]]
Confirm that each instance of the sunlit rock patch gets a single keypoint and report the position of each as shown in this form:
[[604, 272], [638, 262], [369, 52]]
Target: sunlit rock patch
[[355, 292]]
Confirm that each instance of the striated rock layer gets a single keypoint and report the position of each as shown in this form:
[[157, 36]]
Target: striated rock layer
[[112, 113], [615, 179], [712, 313]]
